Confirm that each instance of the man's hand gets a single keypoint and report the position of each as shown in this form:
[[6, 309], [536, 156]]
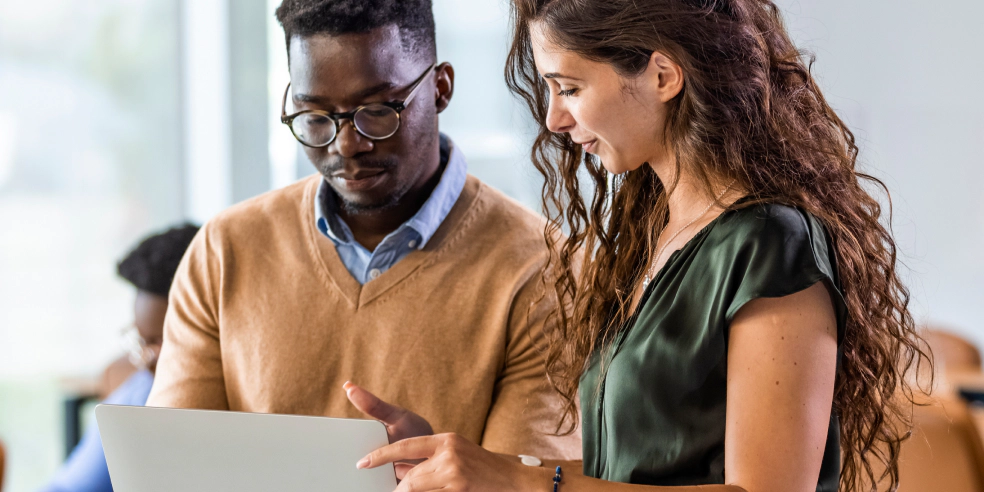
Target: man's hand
[[400, 423]]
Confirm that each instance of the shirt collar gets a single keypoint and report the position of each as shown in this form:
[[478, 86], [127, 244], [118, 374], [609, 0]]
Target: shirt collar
[[425, 222]]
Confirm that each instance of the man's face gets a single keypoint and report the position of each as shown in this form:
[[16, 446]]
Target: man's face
[[340, 73]]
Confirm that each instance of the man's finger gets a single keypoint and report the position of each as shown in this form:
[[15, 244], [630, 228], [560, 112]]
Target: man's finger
[[414, 448], [371, 405]]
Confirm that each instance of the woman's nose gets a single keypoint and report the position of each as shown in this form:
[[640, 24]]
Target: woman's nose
[[559, 120]]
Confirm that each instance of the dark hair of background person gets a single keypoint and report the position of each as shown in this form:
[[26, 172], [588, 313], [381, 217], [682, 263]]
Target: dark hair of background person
[[414, 18], [150, 267], [750, 110]]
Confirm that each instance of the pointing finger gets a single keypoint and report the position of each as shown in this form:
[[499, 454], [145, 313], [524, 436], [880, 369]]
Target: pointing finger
[[371, 405], [408, 449]]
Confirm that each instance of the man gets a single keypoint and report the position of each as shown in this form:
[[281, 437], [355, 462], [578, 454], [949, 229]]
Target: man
[[392, 268], [150, 269]]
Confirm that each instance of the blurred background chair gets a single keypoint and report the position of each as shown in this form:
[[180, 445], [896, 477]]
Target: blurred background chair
[[951, 351], [946, 449], [945, 452]]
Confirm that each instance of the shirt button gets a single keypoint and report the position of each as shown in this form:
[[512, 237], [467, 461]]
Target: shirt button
[[374, 273], [413, 244]]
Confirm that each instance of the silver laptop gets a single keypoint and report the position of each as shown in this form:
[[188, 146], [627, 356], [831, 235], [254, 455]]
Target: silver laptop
[[167, 450]]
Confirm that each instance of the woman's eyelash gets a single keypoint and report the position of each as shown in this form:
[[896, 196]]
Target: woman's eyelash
[[568, 92]]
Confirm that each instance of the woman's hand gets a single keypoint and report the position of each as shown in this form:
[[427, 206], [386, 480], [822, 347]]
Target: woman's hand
[[453, 463]]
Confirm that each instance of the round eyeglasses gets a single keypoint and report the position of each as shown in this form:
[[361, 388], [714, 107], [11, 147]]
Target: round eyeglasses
[[376, 121]]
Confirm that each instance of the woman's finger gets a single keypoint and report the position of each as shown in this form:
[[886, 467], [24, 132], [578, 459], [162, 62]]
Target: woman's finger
[[402, 469], [415, 471], [408, 449], [422, 478]]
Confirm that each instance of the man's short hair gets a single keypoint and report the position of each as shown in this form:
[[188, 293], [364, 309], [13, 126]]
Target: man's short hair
[[150, 267], [414, 18]]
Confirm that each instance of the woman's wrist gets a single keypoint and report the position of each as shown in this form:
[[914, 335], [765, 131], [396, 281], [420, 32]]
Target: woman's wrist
[[529, 477], [539, 477], [536, 478]]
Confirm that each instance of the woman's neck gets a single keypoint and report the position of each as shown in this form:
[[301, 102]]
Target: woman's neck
[[690, 195], [687, 196], [686, 200]]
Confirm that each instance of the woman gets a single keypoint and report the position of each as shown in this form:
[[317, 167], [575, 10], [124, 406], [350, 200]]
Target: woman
[[737, 320]]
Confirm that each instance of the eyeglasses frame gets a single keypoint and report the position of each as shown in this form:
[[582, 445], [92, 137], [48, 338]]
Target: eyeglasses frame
[[139, 352], [397, 106]]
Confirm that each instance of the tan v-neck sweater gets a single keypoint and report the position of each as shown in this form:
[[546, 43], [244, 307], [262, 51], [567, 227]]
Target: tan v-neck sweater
[[264, 317]]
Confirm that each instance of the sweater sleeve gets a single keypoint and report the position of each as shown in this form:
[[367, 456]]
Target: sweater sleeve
[[189, 371], [525, 410]]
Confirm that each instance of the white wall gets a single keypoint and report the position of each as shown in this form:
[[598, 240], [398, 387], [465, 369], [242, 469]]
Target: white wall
[[493, 129], [907, 76], [904, 74]]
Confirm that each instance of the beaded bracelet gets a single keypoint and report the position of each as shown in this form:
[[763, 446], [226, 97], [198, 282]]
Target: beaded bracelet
[[557, 480]]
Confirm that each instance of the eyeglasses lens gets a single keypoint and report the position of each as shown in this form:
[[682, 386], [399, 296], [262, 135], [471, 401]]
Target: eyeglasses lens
[[375, 121], [314, 129]]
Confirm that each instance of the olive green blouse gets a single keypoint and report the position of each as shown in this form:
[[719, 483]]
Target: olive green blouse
[[658, 416]]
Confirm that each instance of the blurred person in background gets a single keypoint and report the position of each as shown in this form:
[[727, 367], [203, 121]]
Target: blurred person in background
[[150, 268]]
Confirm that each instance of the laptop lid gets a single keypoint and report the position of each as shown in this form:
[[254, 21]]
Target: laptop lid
[[163, 449]]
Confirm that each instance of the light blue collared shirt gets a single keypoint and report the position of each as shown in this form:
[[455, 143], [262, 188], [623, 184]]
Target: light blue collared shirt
[[411, 235]]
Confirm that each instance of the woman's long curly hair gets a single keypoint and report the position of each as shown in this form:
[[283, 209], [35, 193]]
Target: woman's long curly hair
[[749, 110]]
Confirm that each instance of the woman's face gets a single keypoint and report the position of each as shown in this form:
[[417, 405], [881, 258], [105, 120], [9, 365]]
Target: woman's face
[[618, 119]]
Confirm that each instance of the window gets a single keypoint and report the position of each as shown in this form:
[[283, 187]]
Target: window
[[90, 160]]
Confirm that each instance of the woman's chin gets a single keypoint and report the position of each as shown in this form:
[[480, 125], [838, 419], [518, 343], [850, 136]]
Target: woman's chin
[[617, 166]]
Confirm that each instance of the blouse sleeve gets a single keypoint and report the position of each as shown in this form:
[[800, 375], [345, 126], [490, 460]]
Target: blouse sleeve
[[782, 251]]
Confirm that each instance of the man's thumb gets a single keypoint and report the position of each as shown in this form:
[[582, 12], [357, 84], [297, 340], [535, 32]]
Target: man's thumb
[[371, 405]]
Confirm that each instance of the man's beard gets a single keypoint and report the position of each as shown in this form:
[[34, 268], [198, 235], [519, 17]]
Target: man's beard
[[355, 208]]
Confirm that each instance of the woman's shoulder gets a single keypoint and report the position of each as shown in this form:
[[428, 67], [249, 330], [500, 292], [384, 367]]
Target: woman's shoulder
[[769, 228], [771, 242], [768, 221], [773, 250]]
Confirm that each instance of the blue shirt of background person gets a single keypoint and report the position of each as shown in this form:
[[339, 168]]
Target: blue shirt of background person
[[150, 268], [85, 469]]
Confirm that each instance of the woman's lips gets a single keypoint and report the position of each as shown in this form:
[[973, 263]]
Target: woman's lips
[[590, 147]]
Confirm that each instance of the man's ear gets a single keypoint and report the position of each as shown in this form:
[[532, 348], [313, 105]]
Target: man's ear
[[665, 76], [444, 88]]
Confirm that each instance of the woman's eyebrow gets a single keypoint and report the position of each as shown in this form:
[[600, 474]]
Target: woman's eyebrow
[[555, 75]]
